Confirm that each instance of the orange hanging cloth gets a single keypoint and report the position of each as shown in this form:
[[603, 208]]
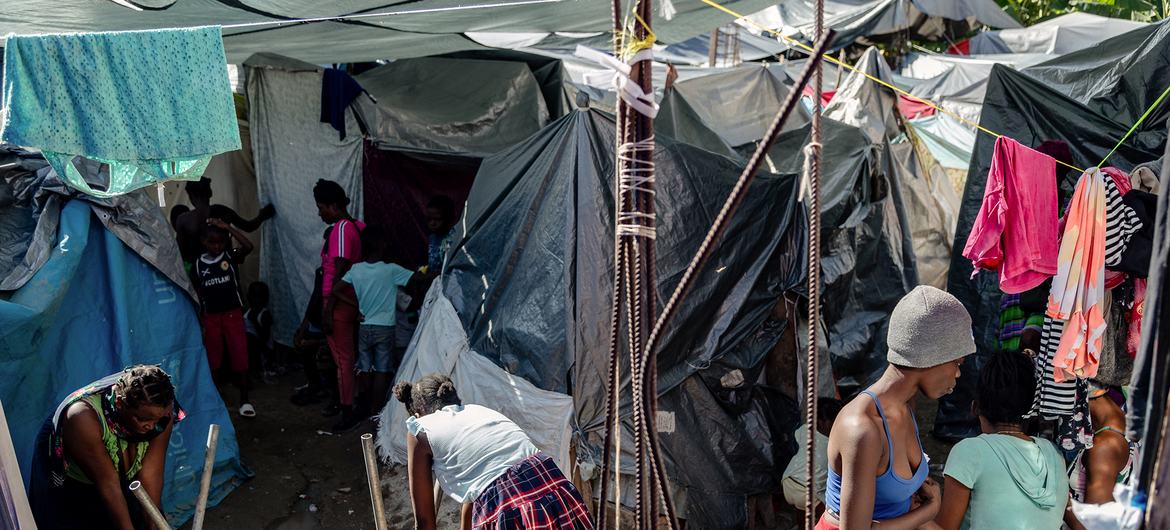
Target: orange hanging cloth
[[1078, 288]]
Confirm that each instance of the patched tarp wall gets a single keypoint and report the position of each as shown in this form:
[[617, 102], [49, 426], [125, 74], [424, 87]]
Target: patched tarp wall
[[291, 150], [867, 251]]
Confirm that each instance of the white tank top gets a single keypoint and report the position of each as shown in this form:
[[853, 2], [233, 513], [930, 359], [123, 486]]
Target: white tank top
[[472, 447]]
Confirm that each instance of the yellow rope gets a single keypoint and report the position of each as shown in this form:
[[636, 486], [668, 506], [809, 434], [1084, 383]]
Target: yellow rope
[[833, 60]]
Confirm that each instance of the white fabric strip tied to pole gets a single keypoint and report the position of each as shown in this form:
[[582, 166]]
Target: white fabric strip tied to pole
[[630, 92], [810, 153]]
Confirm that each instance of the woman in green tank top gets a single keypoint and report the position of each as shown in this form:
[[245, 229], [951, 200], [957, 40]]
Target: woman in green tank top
[[102, 437]]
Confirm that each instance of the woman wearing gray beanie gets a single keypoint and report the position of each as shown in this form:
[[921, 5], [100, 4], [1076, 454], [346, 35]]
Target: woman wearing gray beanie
[[878, 471]]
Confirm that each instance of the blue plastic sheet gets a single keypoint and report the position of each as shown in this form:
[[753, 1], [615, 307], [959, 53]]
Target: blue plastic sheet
[[94, 308]]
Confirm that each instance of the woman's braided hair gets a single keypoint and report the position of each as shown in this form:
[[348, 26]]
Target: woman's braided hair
[[145, 384]]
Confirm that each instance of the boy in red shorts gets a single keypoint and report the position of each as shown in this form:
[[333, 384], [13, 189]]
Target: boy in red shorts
[[217, 280]]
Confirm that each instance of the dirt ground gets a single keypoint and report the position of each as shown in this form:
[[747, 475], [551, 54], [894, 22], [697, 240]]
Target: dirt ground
[[306, 478]]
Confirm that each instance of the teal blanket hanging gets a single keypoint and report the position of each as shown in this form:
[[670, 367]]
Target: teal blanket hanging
[[153, 105]]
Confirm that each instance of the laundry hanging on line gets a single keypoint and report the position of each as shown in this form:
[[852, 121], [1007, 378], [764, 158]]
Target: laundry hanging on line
[[1016, 229], [153, 105]]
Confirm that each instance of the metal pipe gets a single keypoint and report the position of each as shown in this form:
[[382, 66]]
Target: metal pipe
[[148, 506], [375, 483], [205, 481]]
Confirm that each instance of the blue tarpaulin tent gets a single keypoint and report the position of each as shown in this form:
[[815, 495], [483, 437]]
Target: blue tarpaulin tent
[[92, 309]]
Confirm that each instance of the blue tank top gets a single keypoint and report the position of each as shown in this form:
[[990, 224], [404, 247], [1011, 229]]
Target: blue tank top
[[892, 497]]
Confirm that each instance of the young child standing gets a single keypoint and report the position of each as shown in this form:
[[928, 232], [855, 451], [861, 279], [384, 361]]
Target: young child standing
[[375, 283], [217, 281], [258, 325], [440, 217]]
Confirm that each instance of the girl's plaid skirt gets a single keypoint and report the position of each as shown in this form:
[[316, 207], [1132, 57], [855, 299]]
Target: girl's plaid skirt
[[532, 495]]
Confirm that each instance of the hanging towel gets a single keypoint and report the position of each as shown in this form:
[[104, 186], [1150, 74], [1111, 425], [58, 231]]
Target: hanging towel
[[153, 105], [1016, 230], [338, 90], [1079, 285]]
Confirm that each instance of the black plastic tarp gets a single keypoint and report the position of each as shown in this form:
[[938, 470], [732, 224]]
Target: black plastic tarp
[[1088, 99], [531, 280], [1151, 372], [868, 259], [867, 256]]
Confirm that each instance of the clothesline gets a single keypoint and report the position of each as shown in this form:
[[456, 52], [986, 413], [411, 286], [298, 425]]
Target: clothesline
[[927, 102]]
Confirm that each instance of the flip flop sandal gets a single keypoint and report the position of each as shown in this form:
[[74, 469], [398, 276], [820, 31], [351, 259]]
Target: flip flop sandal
[[247, 410]]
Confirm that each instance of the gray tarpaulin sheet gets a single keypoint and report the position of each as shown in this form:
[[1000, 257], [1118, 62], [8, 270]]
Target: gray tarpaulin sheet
[[1088, 99], [932, 208], [921, 205], [885, 204], [739, 103], [855, 19], [1059, 35], [291, 149], [862, 103], [418, 28], [31, 198], [455, 105], [961, 85]]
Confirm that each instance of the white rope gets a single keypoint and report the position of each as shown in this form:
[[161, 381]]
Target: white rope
[[389, 14], [638, 176]]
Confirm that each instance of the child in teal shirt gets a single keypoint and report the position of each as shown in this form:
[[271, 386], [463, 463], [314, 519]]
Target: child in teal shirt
[[373, 286], [1004, 479]]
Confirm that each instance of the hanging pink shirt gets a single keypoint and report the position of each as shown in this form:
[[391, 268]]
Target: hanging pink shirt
[[1016, 229]]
